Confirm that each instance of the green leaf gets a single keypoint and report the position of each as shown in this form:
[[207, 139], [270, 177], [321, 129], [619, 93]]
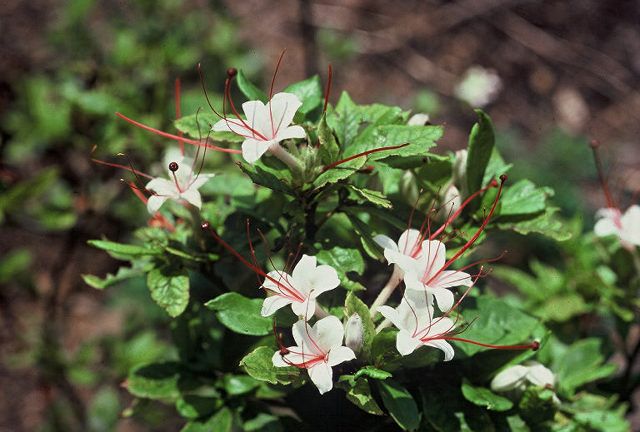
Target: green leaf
[[481, 143], [265, 178], [241, 314], [309, 92], [582, 363], [419, 138], [329, 150], [344, 261], [248, 89], [123, 274], [221, 422], [485, 398], [400, 404], [263, 423], [198, 126], [372, 196], [524, 197], [169, 289], [496, 322], [13, 264], [524, 282], [154, 381], [366, 235], [124, 251], [353, 305], [345, 120], [259, 365], [545, 223], [563, 307], [359, 393], [439, 403], [239, 384], [195, 406]]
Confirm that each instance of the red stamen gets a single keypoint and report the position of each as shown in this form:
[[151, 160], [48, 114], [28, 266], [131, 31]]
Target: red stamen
[[327, 90], [115, 165], [533, 345], [366, 153], [601, 177], [175, 137], [178, 114], [227, 95]]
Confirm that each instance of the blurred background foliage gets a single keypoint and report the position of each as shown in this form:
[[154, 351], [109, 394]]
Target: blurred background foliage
[[567, 72]]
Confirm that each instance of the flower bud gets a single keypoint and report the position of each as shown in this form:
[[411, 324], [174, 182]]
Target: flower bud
[[409, 187], [419, 119], [353, 337], [451, 202], [460, 167]]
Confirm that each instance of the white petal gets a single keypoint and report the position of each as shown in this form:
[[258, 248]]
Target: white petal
[[199, 181], [173, 154], [405, 262], [304, 268], [433, 258], [253, 149], [392, 315], [605, 227], [443, 296], [631, 224], [279, 282], [451, 278], [339, 355], [443, 345], [385, 242], [440, 326], [323, 278], [258, 119], [540, 375], [155, 202], [405, 343], [233, 125], [273, 303], [419, 119], [192, 196], [283, 108], [290, 132], [509, 378], [305, 337], [329, 331], [304, 309], [163, 187], [322, 376], [278, 359], [409, 242]]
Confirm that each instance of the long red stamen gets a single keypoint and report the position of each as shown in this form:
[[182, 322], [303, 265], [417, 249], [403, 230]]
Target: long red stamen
[[227, 93], [366, 153], [601, 177], [178, 112], [327, 90], [206, 94], [533, 345], [472, 240], [175, 137], [273, 81], [115, 165], [466, 202]]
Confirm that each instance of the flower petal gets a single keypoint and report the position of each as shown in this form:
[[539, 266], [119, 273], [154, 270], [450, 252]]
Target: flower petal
[[200, 180], [163, 187], [321, 375], [339, 355], [283, 107], [444, 346], [385, 242], [305, 337], [323, 278], [509, 378], [443, 296], [605, 227], [272, 303], [451, 278], [290, 132], [257, 119], [304, 268], [233, 125], [392, 315], [192, 196], [253, 149], [155, 202], [631, 224], [329, 331], [539, 375], [405, 343], [279, 282], [433, 258], [305, 308], [409, 242]]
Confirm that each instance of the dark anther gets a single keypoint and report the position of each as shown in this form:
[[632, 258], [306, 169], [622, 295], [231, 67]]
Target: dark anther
[[173, 166], [231, 72], [535, 345], [503, 178]]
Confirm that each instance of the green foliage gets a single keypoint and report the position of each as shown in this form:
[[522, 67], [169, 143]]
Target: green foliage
[[400, 404], [485, 398], [240, 314], [258, 365], [170, 289], [481, 143]]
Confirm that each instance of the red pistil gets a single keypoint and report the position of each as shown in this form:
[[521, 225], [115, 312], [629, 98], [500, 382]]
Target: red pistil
[[115, 165], [366, 153], [533, 345], [601, 177], [176, 137]]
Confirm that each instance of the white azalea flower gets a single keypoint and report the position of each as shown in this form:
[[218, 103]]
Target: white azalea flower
[[426, 273], [300, 289], [318, 349], [414, 318], [265, 125], [183, 183], [613, 222], [519, 376]]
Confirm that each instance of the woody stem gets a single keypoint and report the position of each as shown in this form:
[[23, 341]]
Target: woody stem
[[387, 290]]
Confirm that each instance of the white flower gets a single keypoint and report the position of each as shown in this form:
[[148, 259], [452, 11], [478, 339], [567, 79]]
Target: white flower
[[183, 183], [626, 226], [517, 377], [265, 125], [414, 318], [409, 246], [300, 289], [318, 349], [426, 274], [479, 86]]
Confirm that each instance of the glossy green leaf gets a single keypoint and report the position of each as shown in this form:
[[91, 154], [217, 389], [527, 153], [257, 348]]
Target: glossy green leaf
[[222, 421], [154, 381], [124, 251], [309, 92], [241, 314], [328, 146], [524, 197], [259, 365], [169, 289], [481, 143], [400, 404], [485, 398], [353, 305], [250, 90]]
